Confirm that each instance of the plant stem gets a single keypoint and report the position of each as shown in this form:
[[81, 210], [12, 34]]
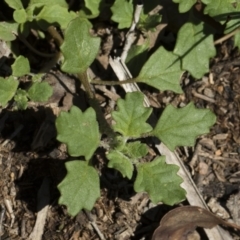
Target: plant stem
[[111, 83], [83, 78], [224, 38], [23, 39], [103, 124], [55, 34]]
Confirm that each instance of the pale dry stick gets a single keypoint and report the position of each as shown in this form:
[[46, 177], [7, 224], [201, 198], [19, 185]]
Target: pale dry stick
[[2, 213], [130, 37], [218, 158], [109, 94], [193, 196], [123, 73], [94, 225], [197, 150], [224, 38], [8, 205], [43, 205], [23, 227], [198, 95]]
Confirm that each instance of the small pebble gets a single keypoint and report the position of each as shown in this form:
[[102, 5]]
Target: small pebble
[[209, 93]]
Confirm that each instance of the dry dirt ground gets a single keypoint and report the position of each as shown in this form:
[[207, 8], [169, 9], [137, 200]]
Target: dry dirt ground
[[32, 161]]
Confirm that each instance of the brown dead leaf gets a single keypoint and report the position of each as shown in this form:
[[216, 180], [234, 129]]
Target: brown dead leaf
[[178, 223]]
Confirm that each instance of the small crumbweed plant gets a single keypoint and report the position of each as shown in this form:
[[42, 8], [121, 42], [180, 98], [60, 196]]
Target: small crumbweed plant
[[161, 69]]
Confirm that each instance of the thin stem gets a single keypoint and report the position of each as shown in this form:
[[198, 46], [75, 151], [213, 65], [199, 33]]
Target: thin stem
[[83, 77], [227, 36], [103, 124], [59, 40], [112, 83], [55, 34], [23, 39]]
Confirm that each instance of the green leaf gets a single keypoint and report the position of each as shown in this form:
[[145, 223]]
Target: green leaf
[[40, 92], [181, 127], [162, 71], [37, 77], [237, 40], [15, 4], [30, 14], [135, 150], [21, 99], [20, 67], [79, 47], [20, 16], [136, 58], [54, 14], [93, 6], [149, 22], [80, 188], [122, 11], [185, 5], [79, 131], [131, 115], [39, 3], [233, 21], [160, 181], [8, 88], [195, 48], [7, 29], [218, 8], [120, 162]]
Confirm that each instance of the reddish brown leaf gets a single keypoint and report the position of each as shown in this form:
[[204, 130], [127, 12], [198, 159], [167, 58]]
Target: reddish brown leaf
[[178, 223]]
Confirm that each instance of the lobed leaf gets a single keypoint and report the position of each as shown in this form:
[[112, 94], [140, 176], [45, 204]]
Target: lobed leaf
[[93, 6], [181, 127], [20, 67], [120, 162], [80, 188], [195, 48], [185, 5], [55, 14], [218, 8], [40, 92], [160, 181], [8, 87], [79, 131], [162, 71], [122, 13], [79, 47], [131, 116]]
